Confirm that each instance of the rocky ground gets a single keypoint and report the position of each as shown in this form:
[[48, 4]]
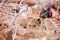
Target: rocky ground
[[20, 20]]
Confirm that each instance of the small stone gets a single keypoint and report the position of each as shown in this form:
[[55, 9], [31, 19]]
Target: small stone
[[34, 25], [0, 24], [39, 21], [24, 26]]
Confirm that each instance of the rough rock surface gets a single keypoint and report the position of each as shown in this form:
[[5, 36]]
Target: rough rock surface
[[19, 20]]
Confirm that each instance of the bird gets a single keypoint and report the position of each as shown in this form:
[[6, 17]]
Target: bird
[[46, 12]]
